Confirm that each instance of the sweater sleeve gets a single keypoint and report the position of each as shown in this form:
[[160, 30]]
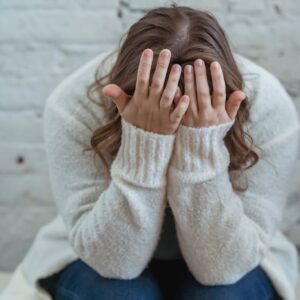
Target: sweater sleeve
[[115, 227], [222, 233]]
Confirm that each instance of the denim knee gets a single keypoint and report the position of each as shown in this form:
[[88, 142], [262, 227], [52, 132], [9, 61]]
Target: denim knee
[[255, 285], [80, 281]]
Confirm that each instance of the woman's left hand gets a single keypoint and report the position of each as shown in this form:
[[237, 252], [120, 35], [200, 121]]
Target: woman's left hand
[[204, 110]]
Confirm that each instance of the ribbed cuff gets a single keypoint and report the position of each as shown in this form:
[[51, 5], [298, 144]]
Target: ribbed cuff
[[143, 156], [200, 153]]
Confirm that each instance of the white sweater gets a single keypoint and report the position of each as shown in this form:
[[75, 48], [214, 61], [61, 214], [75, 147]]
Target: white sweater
[[168, 195]]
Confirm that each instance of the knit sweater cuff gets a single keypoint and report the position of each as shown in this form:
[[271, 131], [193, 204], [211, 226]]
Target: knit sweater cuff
[[143, 156], [200, 153]]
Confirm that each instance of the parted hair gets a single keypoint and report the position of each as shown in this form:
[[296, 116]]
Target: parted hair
[[189, 34]]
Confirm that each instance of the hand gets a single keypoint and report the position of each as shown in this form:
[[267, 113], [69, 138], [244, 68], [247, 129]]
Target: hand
[[152, 109], [204, 110]]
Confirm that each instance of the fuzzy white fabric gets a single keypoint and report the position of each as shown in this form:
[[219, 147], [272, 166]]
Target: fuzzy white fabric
[[118, 226]]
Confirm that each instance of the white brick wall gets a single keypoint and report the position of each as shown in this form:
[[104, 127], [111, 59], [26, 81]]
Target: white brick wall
[[41, 41]]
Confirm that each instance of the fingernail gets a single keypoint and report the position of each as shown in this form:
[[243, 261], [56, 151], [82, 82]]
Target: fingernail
[[177, 68], [188, 68], [215, 65], [199, 62], [185, 99], [166, 53], [148, 52]]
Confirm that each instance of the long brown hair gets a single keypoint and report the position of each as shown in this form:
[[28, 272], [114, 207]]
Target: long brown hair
[[189, 34]]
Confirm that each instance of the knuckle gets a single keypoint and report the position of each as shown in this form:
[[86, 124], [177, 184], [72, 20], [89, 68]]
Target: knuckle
[[174, 78], [167, 97], [164, 103], [219, 93], [176, 117], [156, 83], [144, 65], [205, 107], [142, 81], [162, 64], [202, 94]]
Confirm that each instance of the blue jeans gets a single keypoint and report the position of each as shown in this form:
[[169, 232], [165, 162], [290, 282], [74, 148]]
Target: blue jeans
[[162, 279]]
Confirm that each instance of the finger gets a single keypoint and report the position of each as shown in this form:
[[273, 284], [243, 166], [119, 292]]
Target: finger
[[180, 109], [118, 96], [177, 95], [219, 88], [189, 88], [159, 75], [233, 103], [171, 87], [202, 87], [143, 74]]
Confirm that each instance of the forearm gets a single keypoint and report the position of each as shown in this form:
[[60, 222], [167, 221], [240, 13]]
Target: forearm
[[118, 233], [223, 234]]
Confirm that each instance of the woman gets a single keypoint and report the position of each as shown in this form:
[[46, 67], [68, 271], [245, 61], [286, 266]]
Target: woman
[[200, 145]]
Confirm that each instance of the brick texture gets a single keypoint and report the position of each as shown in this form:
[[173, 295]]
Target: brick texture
[[42, 41]]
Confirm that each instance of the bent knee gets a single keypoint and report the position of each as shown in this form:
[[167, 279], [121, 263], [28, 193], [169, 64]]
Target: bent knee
[[254, 285], [87, 284]]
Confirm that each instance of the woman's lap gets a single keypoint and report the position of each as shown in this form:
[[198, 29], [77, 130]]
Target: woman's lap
[[78, 281], [160, 280], [255, 285]]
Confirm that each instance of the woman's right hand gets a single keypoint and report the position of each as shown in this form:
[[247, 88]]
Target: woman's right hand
[[152, 108]]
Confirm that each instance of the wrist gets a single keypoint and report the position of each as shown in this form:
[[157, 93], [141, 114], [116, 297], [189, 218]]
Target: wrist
[[200, 153], [143, 156]]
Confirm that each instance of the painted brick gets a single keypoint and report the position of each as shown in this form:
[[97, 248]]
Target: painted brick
[[42, 41]]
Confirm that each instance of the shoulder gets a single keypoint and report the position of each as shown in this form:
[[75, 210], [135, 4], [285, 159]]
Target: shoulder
[[69, 98], [272, 110]]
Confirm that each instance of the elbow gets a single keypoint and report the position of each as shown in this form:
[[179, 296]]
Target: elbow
[[114, 264], [224, 269], [225, 277], [119, 268]]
